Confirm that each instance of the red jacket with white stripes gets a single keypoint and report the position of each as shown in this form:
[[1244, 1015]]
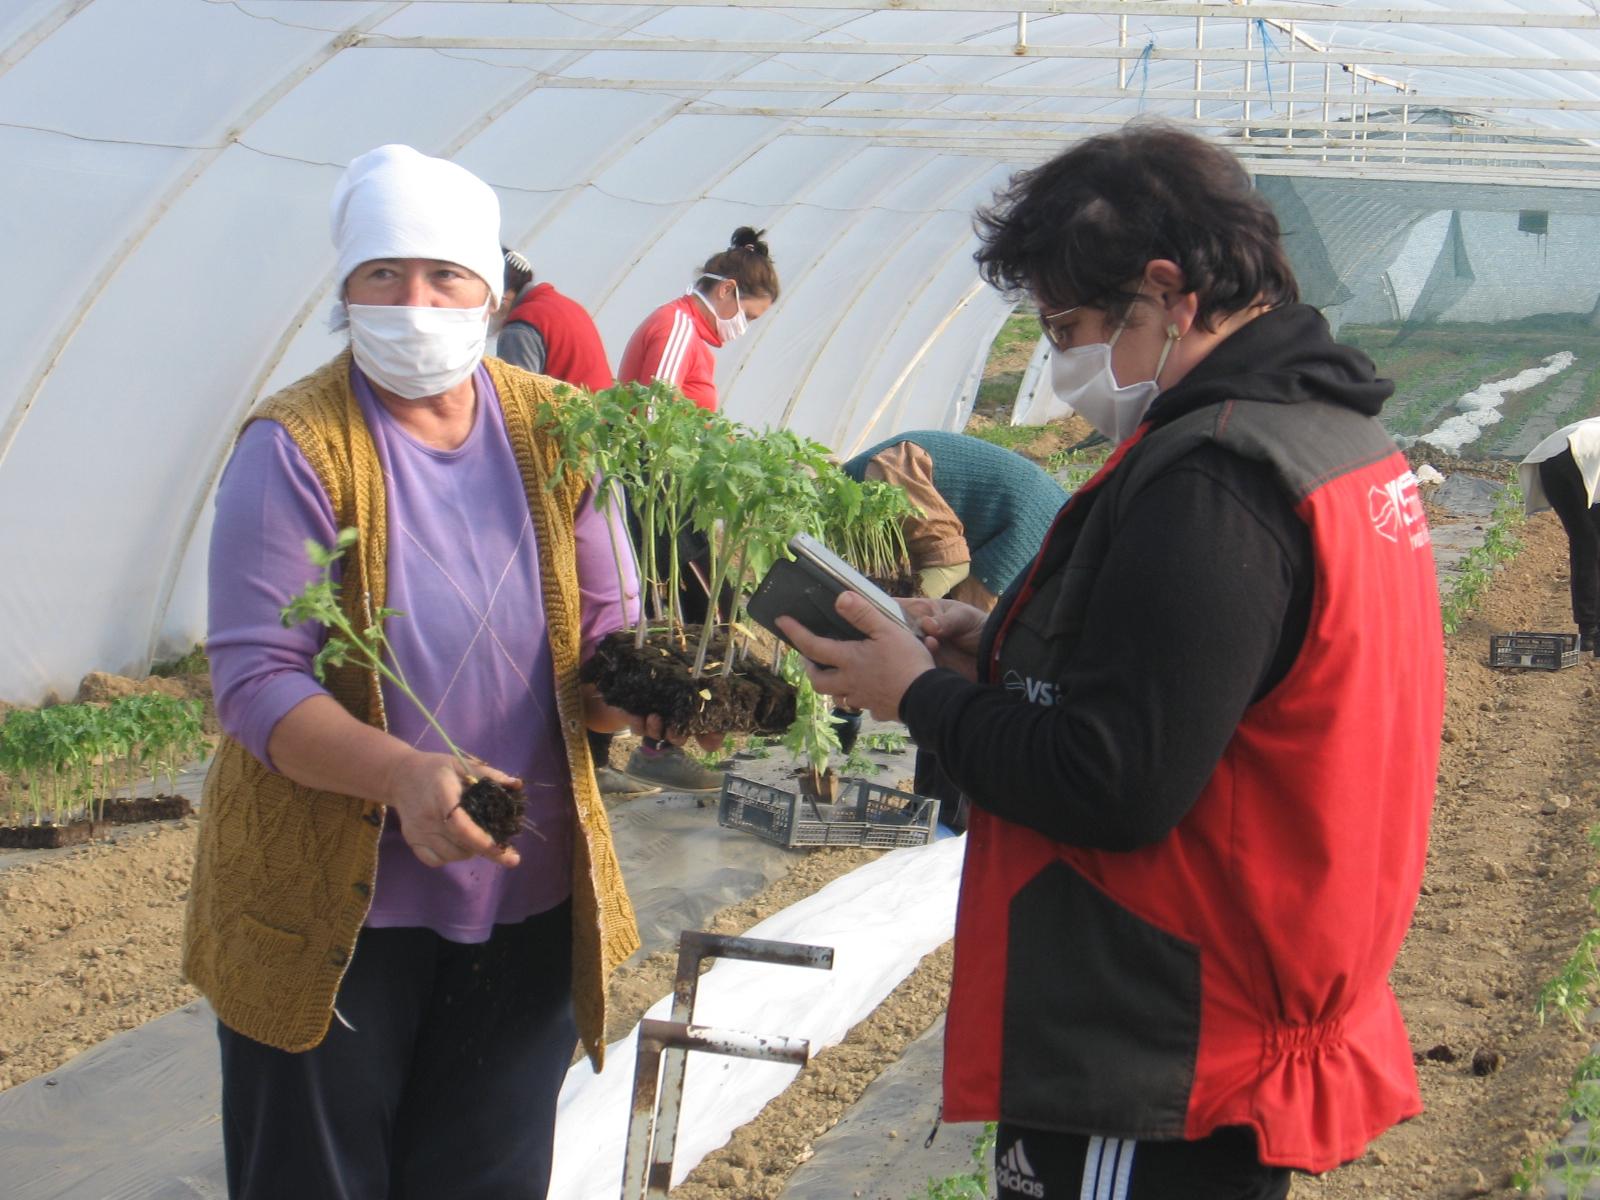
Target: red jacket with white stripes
[[674, 345]]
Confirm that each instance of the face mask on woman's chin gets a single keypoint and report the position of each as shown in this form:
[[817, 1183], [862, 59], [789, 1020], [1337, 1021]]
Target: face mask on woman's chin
[[417, 352], [1082, 379]]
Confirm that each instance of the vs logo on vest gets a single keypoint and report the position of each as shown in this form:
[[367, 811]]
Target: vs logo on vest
[[1037, 691], [1396, 510]]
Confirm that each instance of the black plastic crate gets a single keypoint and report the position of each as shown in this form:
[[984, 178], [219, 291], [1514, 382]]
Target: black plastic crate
[[866, 814], [1538, 651]]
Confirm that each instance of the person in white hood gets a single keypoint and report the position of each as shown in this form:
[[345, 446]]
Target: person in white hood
[[1561, 473]]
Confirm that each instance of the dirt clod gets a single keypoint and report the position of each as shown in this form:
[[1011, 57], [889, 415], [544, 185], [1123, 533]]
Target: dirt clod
[[1487, 1062], [494, 809]]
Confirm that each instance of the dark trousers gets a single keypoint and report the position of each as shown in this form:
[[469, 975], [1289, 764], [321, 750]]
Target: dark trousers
[[445, 1087], [1039, 1165], [1563, 484]]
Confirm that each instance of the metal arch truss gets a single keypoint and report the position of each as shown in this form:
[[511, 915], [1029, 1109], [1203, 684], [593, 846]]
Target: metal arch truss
[[1509, 18], [1370, 122]]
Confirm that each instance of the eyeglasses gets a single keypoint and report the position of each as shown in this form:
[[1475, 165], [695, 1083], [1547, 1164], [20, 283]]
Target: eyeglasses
[[1057, 338]]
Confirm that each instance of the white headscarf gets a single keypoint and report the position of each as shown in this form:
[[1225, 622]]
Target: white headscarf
[[396, 202]]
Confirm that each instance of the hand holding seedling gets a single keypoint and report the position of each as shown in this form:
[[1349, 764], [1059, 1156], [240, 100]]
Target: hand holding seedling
[[424, 791], [950, 631], [871, 674], [441, 794]]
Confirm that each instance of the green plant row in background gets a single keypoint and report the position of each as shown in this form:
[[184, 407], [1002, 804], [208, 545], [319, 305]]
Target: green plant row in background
[[1476, 570], [67, 760], [1434, 366], [1572, 995]]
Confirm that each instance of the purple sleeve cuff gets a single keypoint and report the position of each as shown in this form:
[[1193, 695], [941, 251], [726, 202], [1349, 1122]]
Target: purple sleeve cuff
[[269, 702]]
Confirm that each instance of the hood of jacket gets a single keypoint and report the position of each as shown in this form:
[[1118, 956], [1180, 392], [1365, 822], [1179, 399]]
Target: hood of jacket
[[1285, 356]]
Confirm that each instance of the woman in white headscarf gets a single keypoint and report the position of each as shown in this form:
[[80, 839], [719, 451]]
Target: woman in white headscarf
[[398, 996]]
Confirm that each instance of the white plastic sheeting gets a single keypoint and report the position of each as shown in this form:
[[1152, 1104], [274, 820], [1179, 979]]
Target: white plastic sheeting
[[167, 165], [880, 920], [1480, 408]]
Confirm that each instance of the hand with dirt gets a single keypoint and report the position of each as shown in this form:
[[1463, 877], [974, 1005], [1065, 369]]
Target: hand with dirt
[[654, 726], [950, 631], [604, 718], [872, 674], [424, 791]]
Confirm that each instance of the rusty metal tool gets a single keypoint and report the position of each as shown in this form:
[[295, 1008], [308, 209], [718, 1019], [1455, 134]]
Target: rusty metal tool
[[664, 1046]]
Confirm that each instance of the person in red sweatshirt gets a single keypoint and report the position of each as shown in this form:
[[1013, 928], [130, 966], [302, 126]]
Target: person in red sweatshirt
[[549, 333], [675, 344], [1199, 733]]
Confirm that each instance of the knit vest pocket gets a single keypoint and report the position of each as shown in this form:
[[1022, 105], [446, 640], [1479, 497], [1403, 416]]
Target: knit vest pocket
[[265, 939]]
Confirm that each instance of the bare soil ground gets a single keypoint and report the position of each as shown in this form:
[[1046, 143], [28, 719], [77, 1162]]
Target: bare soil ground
[[1503, 905], [91, 937]]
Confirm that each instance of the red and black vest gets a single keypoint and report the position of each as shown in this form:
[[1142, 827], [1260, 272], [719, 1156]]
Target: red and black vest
[[1236, 972], [573, 351]]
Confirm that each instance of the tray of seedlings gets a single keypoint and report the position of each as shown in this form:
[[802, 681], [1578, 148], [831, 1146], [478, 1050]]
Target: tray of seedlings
[[74, 770], [678, 468]]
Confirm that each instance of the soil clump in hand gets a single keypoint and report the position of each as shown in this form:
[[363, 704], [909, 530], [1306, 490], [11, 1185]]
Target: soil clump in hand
[[495, 809]]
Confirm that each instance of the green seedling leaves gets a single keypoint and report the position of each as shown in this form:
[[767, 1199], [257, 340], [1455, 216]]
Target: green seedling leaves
[[60, 757], [345, 644]]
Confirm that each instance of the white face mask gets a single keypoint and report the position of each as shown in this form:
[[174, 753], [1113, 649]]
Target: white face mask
[[728, 328], [417, 352], [1082, 379]]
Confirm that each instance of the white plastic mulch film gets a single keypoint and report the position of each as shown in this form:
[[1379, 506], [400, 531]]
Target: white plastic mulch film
[[879, 920], [165, 167]]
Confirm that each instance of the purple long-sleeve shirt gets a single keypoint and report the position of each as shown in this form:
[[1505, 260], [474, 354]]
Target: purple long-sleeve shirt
[[463, 568]]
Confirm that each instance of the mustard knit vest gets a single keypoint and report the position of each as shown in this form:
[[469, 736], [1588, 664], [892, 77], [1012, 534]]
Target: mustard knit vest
[[283, 874]]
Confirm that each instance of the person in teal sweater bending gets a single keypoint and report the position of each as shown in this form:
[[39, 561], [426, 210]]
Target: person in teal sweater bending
[[985, 512]]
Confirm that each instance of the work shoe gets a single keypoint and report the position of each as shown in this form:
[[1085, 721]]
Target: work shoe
[[1588, 643], [672, 769], [613, 782]]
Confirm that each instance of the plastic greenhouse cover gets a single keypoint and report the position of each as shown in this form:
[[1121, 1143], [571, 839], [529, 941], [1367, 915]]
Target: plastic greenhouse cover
[[169, 162]]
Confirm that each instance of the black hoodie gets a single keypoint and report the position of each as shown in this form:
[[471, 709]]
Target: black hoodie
[[1200, 610]]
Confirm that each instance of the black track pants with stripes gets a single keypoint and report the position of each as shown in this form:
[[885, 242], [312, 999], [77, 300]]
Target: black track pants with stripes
[[1033, 1164]]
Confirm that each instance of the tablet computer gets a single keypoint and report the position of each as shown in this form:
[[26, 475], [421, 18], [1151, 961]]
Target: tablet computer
[[806, 587]]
